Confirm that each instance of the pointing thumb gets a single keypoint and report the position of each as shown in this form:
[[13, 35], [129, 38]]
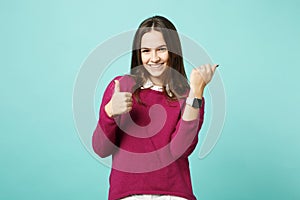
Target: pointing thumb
[[214, 67], [117, 86]]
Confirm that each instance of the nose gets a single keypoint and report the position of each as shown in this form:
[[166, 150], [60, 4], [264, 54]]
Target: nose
[[154, 57]]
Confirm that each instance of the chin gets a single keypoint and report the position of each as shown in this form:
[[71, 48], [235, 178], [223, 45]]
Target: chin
[[155, 75]]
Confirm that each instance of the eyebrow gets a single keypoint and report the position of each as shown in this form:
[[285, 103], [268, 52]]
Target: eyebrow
[[164, 45]]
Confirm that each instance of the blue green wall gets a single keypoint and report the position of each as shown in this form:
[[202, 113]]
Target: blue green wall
[[44, 43]]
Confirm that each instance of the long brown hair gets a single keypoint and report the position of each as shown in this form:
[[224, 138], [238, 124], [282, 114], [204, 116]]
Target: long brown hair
[[175, 75]]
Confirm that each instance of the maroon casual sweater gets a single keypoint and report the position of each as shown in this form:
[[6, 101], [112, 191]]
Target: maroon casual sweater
[[149, 145]]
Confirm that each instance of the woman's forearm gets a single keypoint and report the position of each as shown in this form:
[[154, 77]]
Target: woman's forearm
[[190, 113]]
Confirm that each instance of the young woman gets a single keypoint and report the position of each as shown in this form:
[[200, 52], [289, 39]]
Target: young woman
[[150, 119]]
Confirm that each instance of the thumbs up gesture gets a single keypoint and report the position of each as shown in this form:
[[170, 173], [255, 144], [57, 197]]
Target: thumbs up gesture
[[120, 102], [200, 77]]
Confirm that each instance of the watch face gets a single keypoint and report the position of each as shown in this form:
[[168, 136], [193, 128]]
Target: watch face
[[194, 102], [197, 103]]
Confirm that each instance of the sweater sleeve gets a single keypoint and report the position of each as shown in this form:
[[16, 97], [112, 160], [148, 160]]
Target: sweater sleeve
[[185, 137], [104, 138]]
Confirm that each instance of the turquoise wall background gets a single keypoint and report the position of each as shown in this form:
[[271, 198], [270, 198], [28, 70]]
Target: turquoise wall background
[[44, 43]]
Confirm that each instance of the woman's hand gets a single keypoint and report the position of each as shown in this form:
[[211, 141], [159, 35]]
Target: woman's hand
[[120, 102], [200, 77]]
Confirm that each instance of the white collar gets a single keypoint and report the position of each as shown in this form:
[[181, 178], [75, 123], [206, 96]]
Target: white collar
[[150, 85]]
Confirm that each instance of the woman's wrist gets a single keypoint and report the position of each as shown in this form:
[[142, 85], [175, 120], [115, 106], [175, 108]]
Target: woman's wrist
[[196, 93]]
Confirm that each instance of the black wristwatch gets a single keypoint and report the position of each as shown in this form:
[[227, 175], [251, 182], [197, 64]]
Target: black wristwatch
[[194, 102]]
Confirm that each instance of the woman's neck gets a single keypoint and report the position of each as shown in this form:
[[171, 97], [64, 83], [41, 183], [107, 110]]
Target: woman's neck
[[156, 81]]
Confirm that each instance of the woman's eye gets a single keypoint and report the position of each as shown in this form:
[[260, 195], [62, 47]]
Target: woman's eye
[[145, 50], [162, 49]]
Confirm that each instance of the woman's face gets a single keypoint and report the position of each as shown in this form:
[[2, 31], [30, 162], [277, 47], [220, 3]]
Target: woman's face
[[154, 55]]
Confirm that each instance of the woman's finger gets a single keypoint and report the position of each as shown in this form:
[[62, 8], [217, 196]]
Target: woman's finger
[[207, 68], [128, 99], [129, 104]]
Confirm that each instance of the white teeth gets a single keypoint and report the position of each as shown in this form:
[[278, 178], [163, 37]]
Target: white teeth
[[155, 66]]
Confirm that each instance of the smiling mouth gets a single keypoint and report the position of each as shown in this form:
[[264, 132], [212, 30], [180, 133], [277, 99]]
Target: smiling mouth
[[156, 65]]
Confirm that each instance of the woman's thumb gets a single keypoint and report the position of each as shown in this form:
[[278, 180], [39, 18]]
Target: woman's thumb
[[117, 86], [214, 67]]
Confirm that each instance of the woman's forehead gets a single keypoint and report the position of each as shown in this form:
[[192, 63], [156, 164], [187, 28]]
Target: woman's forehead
[[152, 39]]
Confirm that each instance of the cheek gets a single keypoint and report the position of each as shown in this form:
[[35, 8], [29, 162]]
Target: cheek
[[165, 57], [145, 58]]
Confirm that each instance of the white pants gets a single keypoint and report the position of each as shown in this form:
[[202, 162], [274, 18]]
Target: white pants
[[152, 196]]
